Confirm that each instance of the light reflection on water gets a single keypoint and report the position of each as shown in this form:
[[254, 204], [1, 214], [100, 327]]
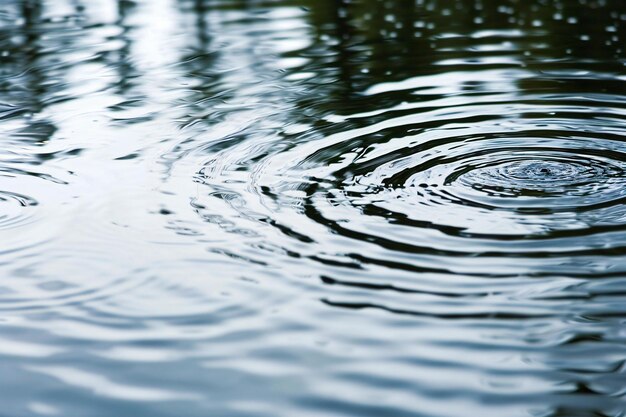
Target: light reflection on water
[[312, 208]]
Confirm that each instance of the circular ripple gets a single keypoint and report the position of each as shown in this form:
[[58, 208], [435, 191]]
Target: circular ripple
[[430, 190], [524, 176], [554, 181], [502, 195], [14, 208]]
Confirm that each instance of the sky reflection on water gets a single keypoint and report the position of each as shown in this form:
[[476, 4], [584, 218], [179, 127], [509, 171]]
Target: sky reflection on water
[[312, 208]]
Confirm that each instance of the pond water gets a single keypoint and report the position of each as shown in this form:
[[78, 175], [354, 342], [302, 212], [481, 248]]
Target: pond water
[[313, 208]]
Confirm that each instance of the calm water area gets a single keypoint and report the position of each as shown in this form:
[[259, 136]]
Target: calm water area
[[313, 208]]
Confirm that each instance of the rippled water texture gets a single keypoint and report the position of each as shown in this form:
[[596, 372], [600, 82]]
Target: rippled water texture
[[313, 208]]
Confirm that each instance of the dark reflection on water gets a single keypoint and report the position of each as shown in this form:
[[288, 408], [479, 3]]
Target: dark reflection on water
[[313, 208]]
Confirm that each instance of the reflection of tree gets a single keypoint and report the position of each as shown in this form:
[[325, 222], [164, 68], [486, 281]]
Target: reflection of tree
[[201, 9], [123, 63], [369, 42], [200, 62], [28, 84], [24, 56], [31, 11], [373, 42], [201, 58]]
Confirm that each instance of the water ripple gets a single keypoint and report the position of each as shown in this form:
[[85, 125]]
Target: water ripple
[[312, 208]]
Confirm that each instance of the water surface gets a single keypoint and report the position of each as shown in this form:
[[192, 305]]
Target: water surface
[[313, 208]]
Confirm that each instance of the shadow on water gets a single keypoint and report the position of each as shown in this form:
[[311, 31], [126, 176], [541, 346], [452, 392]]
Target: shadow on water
[[312, 208]]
